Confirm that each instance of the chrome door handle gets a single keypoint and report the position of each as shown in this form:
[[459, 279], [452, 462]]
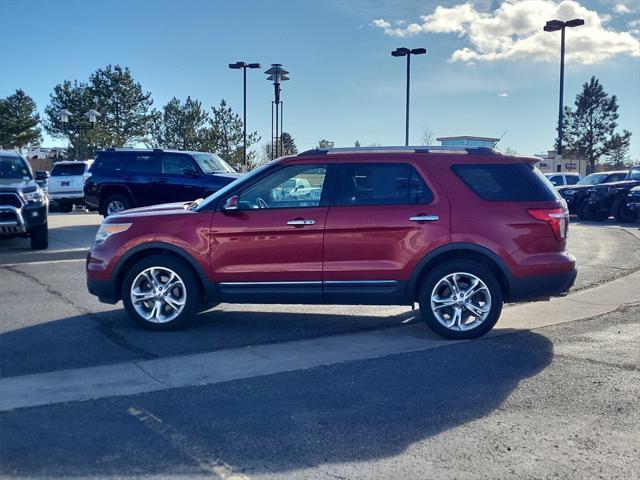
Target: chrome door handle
[[424, 218], [301, 222]]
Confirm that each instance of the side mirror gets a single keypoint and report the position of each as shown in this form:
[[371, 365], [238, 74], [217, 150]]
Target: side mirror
[[232, 204], [42, 174], [191, 172]]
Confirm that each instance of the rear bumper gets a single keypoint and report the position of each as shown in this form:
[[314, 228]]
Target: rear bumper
[[57, 196], [530, 288]]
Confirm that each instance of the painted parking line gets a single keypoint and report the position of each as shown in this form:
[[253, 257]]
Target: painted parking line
[[253, 361]]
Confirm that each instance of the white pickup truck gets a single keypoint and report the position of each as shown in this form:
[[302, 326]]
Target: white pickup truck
[[66, 184]]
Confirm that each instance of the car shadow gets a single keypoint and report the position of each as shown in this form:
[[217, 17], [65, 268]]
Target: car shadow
[[110, 336], [369, 410]]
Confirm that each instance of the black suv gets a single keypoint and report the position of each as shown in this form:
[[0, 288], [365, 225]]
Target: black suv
[[611, 198], [23, 204], [125, 178], [577, 195]]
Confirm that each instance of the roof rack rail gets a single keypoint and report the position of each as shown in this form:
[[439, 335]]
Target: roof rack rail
[[401, 149]]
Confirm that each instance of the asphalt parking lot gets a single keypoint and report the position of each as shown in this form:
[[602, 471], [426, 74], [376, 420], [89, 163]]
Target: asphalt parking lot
[[317, 392]]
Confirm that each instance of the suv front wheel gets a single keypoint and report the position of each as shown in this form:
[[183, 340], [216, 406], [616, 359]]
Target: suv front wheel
[[161, 292], [460, 299]]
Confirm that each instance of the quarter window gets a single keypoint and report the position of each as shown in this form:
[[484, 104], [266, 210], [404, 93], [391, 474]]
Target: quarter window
[[381, 184], [289, 187]]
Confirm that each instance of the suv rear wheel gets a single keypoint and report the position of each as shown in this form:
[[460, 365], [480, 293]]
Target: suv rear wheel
[[115, 204], [161, 292], [460, 299], [622, 212]]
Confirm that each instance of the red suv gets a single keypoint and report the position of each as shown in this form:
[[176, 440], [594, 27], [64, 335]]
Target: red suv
[[458, 231]]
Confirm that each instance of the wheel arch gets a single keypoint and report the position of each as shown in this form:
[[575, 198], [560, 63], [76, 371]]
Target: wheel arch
[[457, 251], [156, 248]]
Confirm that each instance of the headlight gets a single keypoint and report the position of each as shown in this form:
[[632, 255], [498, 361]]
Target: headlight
[[37, 196], [108, 229]]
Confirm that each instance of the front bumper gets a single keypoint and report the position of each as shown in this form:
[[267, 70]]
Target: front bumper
[[16, 221], [542, 286]]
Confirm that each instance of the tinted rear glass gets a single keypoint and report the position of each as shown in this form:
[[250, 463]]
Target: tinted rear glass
[[67, 170], [572, 179], [144, 163], [109, 161], [514, 182]]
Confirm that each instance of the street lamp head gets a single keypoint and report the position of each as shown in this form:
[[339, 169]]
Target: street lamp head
[[276, 73], [553, 26], [418, 51], [93, 115], [253, 65], [64, 115], [237, 65], [576, 22], [401, 52]]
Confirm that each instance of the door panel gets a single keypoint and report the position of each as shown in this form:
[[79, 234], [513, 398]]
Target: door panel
[[371, 245], [271, 249]]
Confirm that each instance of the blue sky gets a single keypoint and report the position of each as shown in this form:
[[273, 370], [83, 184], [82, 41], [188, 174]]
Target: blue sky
[[344, 86]]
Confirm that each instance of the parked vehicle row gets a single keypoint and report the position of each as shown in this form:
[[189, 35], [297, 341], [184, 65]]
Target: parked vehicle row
[[599, 195], [459, 232], [23, 203]]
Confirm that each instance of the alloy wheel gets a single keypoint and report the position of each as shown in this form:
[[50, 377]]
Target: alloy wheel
[[460, 301], [158, 294], [115, 206]]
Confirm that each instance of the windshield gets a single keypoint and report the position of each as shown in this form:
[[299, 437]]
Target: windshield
[[224, 190], [14, 168], [593, 179], [634, 174], [211, 163]]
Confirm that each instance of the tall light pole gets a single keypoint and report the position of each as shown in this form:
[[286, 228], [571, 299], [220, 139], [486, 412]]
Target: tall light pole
[[554, 26], [64, 116], [406, 52], [244, 66], [277, 75]]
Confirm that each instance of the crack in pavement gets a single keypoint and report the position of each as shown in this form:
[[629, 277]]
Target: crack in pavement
[[105, 325]]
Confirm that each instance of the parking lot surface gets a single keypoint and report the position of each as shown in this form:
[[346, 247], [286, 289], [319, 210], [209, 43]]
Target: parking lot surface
[[369, 392]]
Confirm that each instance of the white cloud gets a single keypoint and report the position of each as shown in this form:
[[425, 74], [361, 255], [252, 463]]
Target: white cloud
[[503, 94], [513, 31], [621, 8]]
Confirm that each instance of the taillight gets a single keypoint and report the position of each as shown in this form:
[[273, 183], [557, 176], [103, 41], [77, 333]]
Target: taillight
[[556, 218]]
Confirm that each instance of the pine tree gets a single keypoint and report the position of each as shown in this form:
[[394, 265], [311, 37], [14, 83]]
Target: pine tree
[[225, 135], [288, 144], [19, 121], [181, 126], [590, 128], [618, 154]]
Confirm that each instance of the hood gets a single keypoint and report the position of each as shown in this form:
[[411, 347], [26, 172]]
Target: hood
[[620, 184], [227, 176], [177, 207], [15, 183]]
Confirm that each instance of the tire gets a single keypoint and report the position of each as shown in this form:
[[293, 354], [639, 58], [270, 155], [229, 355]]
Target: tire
[[40, 237], [65, 207], [621, 212], [185, 296], [115, 204], [488, 296]]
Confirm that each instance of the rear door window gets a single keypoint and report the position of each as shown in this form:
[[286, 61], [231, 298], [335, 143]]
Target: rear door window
[[501, 182], [556, 180], [144, 163], [68, 169], [572, 179], [380, 184], [175, 164]]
